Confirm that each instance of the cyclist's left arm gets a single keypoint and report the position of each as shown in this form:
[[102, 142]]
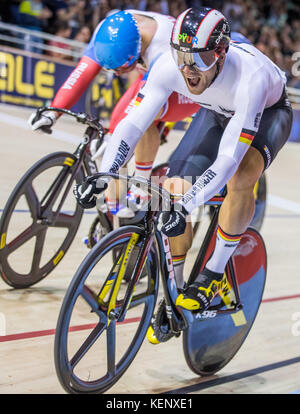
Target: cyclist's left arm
[[236, 140]]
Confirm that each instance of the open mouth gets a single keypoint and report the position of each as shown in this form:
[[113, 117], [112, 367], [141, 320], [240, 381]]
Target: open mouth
[[194, 81]]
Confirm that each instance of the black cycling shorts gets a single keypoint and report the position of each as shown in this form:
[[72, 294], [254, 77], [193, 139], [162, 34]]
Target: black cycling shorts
[[199, 146]]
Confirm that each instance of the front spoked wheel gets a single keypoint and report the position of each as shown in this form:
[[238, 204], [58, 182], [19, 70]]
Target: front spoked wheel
[[93, 345], [38, 225]]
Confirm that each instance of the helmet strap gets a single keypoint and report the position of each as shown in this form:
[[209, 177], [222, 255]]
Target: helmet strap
[[218, 65]]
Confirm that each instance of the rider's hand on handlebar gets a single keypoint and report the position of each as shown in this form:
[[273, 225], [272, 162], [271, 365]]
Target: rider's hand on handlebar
[[172, 223], [85, 192], [43, 122]]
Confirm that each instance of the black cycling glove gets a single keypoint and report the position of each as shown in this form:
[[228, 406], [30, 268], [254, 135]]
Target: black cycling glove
[[85, 192], [172, 223]]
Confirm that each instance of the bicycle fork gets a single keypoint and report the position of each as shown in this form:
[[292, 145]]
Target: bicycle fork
[[169, 285], [113, 281]]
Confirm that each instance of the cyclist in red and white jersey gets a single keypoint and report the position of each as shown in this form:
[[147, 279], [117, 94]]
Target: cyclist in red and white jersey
[[123, 42], [244, 121]]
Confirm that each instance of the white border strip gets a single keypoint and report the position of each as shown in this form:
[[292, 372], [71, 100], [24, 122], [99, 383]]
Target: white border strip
[[56, 134], [283, 203]]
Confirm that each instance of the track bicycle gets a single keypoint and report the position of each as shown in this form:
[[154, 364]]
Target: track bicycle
[[42, 207], [102, 323]]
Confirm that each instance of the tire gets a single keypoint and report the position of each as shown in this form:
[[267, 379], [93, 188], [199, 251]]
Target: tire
[[31, 193], [110, 363]]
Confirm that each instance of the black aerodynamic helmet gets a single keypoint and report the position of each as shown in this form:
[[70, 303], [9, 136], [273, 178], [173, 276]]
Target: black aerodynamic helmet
[[199, 30]]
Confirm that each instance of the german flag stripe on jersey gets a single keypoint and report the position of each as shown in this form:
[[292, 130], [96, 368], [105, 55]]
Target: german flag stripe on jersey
[[138, 99], [228, 237], [247, 136]]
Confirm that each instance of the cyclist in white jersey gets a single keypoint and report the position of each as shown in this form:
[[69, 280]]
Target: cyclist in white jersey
[[122, 42], [246, 122]]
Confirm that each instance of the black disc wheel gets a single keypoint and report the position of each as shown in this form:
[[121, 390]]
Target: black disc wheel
[[93, 348], [38, 223], [212, 340]]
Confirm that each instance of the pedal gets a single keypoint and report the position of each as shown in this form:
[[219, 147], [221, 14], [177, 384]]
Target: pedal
[[160, 329]]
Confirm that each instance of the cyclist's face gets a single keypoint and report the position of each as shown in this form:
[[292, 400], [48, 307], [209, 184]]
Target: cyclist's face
[[196, 79], [122, 70]]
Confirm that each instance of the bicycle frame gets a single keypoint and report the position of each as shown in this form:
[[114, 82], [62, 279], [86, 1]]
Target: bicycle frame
[[82, 160]]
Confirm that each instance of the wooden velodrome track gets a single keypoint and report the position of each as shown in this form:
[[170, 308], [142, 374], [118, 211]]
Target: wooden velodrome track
[[268, 361]]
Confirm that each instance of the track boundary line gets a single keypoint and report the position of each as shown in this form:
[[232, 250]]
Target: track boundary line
[[47, 332]]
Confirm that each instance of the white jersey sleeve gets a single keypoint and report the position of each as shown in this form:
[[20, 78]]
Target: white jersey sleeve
[[129, 131]]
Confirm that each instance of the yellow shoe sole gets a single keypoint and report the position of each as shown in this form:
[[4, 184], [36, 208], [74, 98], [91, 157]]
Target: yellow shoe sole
[[151, 336], [186, 303]]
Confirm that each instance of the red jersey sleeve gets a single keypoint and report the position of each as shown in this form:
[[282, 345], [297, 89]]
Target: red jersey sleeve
[[77, 82]]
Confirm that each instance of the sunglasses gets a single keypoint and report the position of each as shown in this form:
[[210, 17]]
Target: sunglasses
[[201, 61]]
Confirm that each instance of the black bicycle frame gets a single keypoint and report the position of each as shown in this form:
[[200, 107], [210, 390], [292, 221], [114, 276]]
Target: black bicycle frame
[[174, 316], [82, 160]]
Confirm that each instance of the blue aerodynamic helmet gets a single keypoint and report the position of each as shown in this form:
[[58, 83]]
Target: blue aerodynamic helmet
[[118, 41]]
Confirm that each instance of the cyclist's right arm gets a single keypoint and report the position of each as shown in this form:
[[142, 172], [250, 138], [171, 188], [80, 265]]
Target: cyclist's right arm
[[130, 130], [70, 92], [80, 78], [77, 82]]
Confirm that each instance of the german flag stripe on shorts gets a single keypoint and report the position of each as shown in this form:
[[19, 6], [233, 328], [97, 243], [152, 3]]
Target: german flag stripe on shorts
[[247, 136], [228, 237], [138, 99]]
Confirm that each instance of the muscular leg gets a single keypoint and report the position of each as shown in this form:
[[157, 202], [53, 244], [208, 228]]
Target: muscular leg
[[235, 214], [179, 245], [147, 147], [237, 209]]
